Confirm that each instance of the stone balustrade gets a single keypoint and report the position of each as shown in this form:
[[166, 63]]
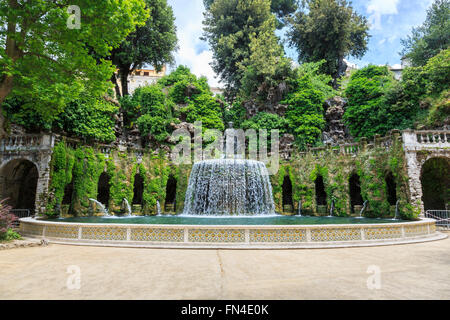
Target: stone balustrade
[[429, 138], [27, 142]]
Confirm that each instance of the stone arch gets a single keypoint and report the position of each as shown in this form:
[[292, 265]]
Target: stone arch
[[391, 188], [138, 189], [103, 189], [321, 195], [435, 181], [288, 204], [18, 182], [171, 194], [68, 193], [356, 198]]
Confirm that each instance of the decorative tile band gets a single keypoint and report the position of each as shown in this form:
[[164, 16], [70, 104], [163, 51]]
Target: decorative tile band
[[417, 230], [63, 232], [241, 235], [384, 233], [216, 235], [104, 233], [160, 235], [335, 234], [274, 235], [31, 229]]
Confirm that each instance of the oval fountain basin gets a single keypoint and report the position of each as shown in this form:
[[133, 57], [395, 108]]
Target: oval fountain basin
[[253, 221]]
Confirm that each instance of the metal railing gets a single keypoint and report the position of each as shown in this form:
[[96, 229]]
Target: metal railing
[[442, 217], [20, 213]]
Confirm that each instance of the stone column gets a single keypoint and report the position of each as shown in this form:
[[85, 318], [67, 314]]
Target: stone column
[[43, 182], [415, 184]]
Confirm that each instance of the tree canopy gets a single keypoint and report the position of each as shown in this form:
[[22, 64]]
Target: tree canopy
[[229, 26], [45, 57], [328, 30], [151, 44], [431, 37], [281, 8]]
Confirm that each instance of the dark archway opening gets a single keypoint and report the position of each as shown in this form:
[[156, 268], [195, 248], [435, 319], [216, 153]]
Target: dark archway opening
[[321, 195], [138, 189], [103, 189], [18, 180], [436, 184], [391, 189], [288, 205], [171, 193], [68, 191], [355, 192]]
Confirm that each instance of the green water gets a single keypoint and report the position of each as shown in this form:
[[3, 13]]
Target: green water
[[270, 220]]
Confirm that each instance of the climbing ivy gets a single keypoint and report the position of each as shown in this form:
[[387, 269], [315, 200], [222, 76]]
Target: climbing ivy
[[86, 171], [61, 174]]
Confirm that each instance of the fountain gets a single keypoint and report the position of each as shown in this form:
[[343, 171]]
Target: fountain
[[300, 208], [331, 210], [127, 206], [158, 208], [101, 206], [363, 209], [229, 187], [396, 210]]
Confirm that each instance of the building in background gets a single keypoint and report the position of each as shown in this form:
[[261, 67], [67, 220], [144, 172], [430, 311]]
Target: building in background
[[143, 77]]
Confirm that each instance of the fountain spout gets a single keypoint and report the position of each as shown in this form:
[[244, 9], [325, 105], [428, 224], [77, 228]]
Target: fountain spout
[[101, 206], [332, 209], [127, 206], [363, 209], [300, 208], [396, 210], [158, 208]]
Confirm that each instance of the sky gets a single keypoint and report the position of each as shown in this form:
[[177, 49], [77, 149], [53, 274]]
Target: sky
[[390, 21]]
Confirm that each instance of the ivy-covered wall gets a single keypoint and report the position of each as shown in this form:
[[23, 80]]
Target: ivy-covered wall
[[372, 165], [84, 165]]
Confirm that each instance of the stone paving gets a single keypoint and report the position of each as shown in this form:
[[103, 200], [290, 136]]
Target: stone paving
[[414, 271]]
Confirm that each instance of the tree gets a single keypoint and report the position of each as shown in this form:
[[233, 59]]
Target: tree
[[430, 38], [372, 106], [228, 27], [45, 57], [305, 114], [328, 30], [281, 8], [152, 44], [267, 66]]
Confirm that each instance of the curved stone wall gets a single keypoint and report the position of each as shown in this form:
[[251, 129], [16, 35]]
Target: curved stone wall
[[187, 236]]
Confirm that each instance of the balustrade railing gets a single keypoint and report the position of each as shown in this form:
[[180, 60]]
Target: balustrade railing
[[22, 141], [431, 137]]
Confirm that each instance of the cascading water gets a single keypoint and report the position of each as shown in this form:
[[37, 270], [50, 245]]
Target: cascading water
[[158, 208], [229, 187], [101, 207], [127, 206]]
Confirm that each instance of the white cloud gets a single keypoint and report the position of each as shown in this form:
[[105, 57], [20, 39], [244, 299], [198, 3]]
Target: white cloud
[[189, 16], [378, 8]]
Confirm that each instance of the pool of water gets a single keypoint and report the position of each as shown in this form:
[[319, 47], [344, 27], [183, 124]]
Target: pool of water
[[260, 220]]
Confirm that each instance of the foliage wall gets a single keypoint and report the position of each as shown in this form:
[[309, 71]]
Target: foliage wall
[[372, 164]]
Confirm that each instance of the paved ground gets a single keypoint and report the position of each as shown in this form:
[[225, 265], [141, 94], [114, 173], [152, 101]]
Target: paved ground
[[417, 271]]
